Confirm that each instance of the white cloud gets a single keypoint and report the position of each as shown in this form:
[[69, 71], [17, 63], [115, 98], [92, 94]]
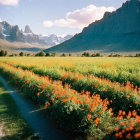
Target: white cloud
[[0, 20], [82, 17], [48, 23], [9, 2]]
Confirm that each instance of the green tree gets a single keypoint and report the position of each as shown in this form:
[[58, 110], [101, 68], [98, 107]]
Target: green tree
[[86, 54], [53, 54], [110, 55], [21, 54], [42, 53], [3, 53], [118, 55], [28, 54], [48, 54], [137, 54], [63, 55], [93, 55], [98, 54], [6, 53]]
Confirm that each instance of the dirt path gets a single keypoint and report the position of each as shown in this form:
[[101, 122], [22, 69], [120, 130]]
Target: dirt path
[[1, 133], [35, 118]]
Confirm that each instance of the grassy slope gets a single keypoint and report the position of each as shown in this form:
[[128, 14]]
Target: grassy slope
[[13, 125]]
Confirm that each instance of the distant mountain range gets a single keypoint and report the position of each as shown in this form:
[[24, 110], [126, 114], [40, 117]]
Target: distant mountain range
[[116, 31], [52, 40], [14, 34]]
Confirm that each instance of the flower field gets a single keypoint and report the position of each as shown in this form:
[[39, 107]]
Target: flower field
[[98, 97]]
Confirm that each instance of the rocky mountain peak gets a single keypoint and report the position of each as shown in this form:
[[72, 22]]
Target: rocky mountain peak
[[27, 29], [13, 33]]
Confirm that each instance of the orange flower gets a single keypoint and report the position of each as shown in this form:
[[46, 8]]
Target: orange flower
[[128, 135], [124, 123], [116, 128], [137, 135], [120, 112], [110, 128], [64, 100], [116, 134], [105, 108], [46, 105], [38, 94], [97, 121], [89, 116], [123, 113], [134, 113], [53, 100], [136, 102]]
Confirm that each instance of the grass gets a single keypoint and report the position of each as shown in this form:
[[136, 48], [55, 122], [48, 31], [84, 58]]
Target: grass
[[13, 125]]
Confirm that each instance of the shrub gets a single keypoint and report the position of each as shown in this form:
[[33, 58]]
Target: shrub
[[63, 55], [3, 53], [21, 54]]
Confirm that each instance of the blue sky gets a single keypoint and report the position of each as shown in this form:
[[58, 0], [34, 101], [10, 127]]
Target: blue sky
[[55, 16]]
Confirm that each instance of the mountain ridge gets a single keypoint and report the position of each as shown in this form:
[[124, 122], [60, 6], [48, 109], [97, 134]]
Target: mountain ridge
[[14, 34], [116, 31]]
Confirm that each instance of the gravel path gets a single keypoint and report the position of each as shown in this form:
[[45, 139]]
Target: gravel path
[[35, 118]]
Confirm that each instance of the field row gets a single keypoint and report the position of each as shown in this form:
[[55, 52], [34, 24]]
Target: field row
[[119, 70], [116, 93], [112, 74], [76, 112]]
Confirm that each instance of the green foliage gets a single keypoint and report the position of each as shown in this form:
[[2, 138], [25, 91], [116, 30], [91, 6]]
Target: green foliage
[[85, 54], [63, 55], [3, 53], [41, 53], [98, 54], [110, 55], [21, 54], [48, 54], [137, 54], [117, 55], [28, 54], [93, 55], [53, 54]]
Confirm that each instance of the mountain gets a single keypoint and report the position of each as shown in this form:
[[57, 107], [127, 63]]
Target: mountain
[[28, 30], [14, 34], [11, 33], [116, 31], [52, 40]]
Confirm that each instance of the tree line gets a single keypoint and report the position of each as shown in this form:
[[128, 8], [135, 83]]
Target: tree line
[[53, 54]]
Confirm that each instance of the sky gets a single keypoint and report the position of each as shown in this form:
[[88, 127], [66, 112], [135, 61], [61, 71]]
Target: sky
[[55, 16]]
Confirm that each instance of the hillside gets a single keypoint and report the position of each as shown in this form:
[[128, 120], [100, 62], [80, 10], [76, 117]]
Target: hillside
[[116, 31]]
